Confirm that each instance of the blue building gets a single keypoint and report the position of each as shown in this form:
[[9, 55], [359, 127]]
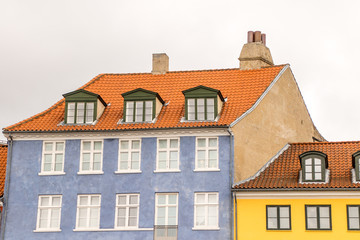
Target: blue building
[[137, 156]]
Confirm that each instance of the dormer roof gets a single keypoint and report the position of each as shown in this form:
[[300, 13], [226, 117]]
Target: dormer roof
[[242, 88], [283, 171]]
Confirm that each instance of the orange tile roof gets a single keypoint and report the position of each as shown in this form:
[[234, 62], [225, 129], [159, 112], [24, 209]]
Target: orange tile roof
[[283, 172], [3, 160], [241, 87]]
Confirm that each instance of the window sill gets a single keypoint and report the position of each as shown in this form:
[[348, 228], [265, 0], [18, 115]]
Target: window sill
[[112, 229], [205, 228], [207, 170], [47, 230], [90, 173], [127, 172], [167, 171], [51, 173]]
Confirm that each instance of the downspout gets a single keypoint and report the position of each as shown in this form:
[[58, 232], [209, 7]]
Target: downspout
[[7, 184], [231, 172], [236, 216]]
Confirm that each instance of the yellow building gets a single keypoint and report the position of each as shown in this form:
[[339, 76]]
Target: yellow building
[[306, 191]]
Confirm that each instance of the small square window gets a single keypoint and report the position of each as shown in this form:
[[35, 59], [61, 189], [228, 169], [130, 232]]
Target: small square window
[[278, 217], [318, 217]]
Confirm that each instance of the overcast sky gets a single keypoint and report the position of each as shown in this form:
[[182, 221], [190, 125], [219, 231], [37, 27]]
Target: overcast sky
[[48, 48]]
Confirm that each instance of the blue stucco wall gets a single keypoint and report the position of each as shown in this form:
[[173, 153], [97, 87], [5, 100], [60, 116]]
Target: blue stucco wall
[[25, 186]]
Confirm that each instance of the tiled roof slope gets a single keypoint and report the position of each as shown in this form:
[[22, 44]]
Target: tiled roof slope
[[241, 87], [3, 160], [283, 172]]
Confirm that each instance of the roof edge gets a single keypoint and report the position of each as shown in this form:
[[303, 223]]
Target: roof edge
[[258, 101]]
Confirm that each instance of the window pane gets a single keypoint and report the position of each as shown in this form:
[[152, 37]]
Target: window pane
[[94, 217], [272, 223], [135, 144], [311, 211], [55, 215], [308, 161], [45, 201], [284, 223], [71, 113], [324, 223], [43, 218], [308, 176], [318, 176], [324, 211], [80, 112], [87, 146], [148, 110], [48, 147], [58, 162], [97, 145], [89, 112], [213, 198], [173, 155], [200, 109], [95, 200], [122, 200], [59, 146], [201, 142], [162, 156], [161, 199], [353, 211], [83, 200], [129, 111], [272, 212], [353, 223], [317, 168], [123, 165], [135, 164], [173, 143], [200, 198], [162, 143], [317, 161], [212, 158], [133, 199], [172, 199], [210, 109], [191, 109], [312, 223], [139, 112], [284, 212], [124, 145], [308, 169], [124, 156]]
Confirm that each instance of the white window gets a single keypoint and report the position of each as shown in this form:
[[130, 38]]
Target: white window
[[129, 156], [127, 211], [88, 211], [200, 109], [206, 154], [139, 111], [166, 209], [91, 157], [206, 210], [53, 158], [80, 112], [49, 213], [168, 154]]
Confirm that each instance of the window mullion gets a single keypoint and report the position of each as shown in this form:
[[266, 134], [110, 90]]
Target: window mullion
[[143, 115], [205, 109], [75, 117], [278, 216], [84, 118], [195, 100], [318, 217], [134, 112]]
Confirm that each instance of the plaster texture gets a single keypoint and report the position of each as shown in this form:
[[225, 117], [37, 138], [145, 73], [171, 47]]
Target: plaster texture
[[26, 185]]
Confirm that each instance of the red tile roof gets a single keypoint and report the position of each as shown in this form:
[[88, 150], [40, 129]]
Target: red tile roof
[[3, 160], [283, 172], [241, 87]]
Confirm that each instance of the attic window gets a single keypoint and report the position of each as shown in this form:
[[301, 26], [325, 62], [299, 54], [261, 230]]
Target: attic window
[[202, 103], [314, 165], [356, 165], [141, 105], [82, 107]]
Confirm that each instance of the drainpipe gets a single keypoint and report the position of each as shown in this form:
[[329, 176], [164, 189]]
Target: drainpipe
[[236, 216], [231, 172], [7, 184]]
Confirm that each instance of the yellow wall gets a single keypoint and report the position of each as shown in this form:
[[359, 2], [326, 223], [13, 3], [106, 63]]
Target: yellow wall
[[251, 220]]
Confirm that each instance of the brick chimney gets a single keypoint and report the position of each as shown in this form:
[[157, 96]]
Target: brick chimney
[[160, 63], [254, 53]]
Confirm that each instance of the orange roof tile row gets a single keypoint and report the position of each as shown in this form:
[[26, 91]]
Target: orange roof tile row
[[283, 172], [3, 160], [241, 87]]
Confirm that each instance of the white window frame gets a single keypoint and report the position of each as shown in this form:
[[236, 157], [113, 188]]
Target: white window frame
[[85, 112], [134, 114], [53, 155], [129, 151], [166, 205], [50, 208], [127, 207], [206, 205], [88, 207], [92, 151], [168, 149], [207, 149]]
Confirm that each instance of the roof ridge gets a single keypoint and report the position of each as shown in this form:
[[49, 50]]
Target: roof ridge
[[199, 70], [326, 142]]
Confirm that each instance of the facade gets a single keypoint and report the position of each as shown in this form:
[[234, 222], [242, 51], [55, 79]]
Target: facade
[[307, 191], [150, 155]]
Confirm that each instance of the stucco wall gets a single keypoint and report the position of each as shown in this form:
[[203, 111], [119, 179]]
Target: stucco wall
[[281, 117], [26, 186], [251, 220]]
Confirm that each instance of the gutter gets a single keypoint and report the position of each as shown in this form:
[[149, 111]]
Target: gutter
[[7, 184], [292, 189], [231, 180]]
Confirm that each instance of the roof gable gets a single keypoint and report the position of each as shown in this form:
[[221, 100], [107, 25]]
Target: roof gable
[[202, 91], [81, 95], [141, 94], [283, 171]]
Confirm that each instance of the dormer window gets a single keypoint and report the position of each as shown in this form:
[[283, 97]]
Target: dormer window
[[356, 165], [82, 107], [141, 105], [202, 103], [314, 165]]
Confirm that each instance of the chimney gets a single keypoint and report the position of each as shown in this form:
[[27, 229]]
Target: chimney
[[160, 63], [254, 53]]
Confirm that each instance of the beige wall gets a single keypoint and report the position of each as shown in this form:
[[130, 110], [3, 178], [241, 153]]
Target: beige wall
[[281, 117]]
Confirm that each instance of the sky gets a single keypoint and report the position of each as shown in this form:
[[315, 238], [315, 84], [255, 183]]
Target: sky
[[49, 47]]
